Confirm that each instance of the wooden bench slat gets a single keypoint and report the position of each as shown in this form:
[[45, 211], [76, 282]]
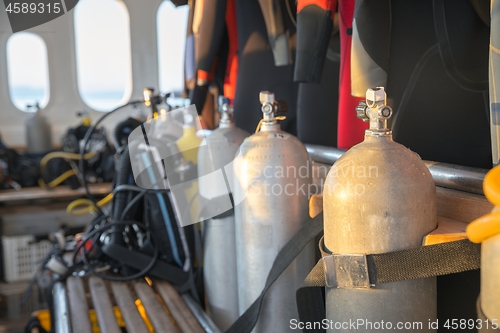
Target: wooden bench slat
[[130, 314], [103, 307], [78, 306], [178, 308], [158, 317], [461, 206]]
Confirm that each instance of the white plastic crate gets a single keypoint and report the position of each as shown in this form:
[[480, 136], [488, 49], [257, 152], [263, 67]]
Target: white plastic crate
[[20, 255]]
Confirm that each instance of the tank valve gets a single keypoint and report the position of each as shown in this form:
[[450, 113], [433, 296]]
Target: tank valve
[[271, 107], [375, 110], [225, 110]]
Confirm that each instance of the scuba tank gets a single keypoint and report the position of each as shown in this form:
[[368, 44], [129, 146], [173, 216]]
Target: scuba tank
[[378, 197], [272, 176], [216, 152], [38, 133], [486, 230]]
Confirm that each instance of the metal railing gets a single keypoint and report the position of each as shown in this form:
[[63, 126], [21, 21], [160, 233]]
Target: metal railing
[[447, 175]]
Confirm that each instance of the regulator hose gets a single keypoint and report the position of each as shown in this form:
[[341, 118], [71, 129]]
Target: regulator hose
[[123, 168], [65, 175], [85, 206]]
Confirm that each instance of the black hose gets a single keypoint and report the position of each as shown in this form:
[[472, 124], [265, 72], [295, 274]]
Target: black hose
[[123, 169], [122, 131]]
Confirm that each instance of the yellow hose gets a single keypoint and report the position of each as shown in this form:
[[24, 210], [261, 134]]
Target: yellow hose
[[85, 206], [56, 181], [62, 154], [488, 225], [65, 175], [262, 120]]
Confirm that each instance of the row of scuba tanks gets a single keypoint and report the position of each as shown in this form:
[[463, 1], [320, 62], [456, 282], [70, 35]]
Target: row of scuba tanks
[[378, 197], [240, 245], [271, 188]]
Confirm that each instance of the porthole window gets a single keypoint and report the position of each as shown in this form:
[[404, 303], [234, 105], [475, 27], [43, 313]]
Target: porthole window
[[103, 54], [27, 70], [171, 25]]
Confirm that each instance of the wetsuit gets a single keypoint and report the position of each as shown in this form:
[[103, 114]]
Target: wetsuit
[[323, 104], [435, 72], [257, 70]]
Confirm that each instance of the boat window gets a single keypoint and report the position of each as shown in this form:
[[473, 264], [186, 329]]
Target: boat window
[[103, 53], [171, 25], [27, 70]]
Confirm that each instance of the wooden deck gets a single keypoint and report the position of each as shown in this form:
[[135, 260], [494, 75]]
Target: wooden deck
[[139, 306]]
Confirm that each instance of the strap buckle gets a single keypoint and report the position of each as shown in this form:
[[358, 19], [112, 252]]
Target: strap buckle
[[347, 271]]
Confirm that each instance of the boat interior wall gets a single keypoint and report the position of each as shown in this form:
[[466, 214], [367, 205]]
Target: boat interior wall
[[65, 100]]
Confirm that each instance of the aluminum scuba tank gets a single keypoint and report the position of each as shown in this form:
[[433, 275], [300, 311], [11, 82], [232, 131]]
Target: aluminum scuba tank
[[379, 197], [38, 133], [272, 174], [216, 153], [490, 279]]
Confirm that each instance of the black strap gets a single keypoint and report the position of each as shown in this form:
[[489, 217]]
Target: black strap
[[424, 261], [312, 228], [408, 264]]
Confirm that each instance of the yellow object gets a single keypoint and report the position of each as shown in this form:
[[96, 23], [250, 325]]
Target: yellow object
[[257, 130], [65, 155], [188, 145], [56, 181], [189, 142], [44, 318], [142, 312], [491, 186], [86, 120], [86, 206], [488, 225], [484, 227], [65, 175]]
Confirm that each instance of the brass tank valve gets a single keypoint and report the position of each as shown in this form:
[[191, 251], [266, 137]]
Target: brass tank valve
[[375, 110]]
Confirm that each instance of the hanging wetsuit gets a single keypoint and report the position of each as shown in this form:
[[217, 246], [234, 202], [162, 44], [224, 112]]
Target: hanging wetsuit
[[351, 130], [256, 64], [232, 55], [210, 48], [317, 68], [435, 72], [189, 63], [317, 103], [314, 27]]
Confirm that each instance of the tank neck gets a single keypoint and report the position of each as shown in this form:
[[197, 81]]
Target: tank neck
[[189, 130], [270, 126], [378, 133], [377, 137]]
